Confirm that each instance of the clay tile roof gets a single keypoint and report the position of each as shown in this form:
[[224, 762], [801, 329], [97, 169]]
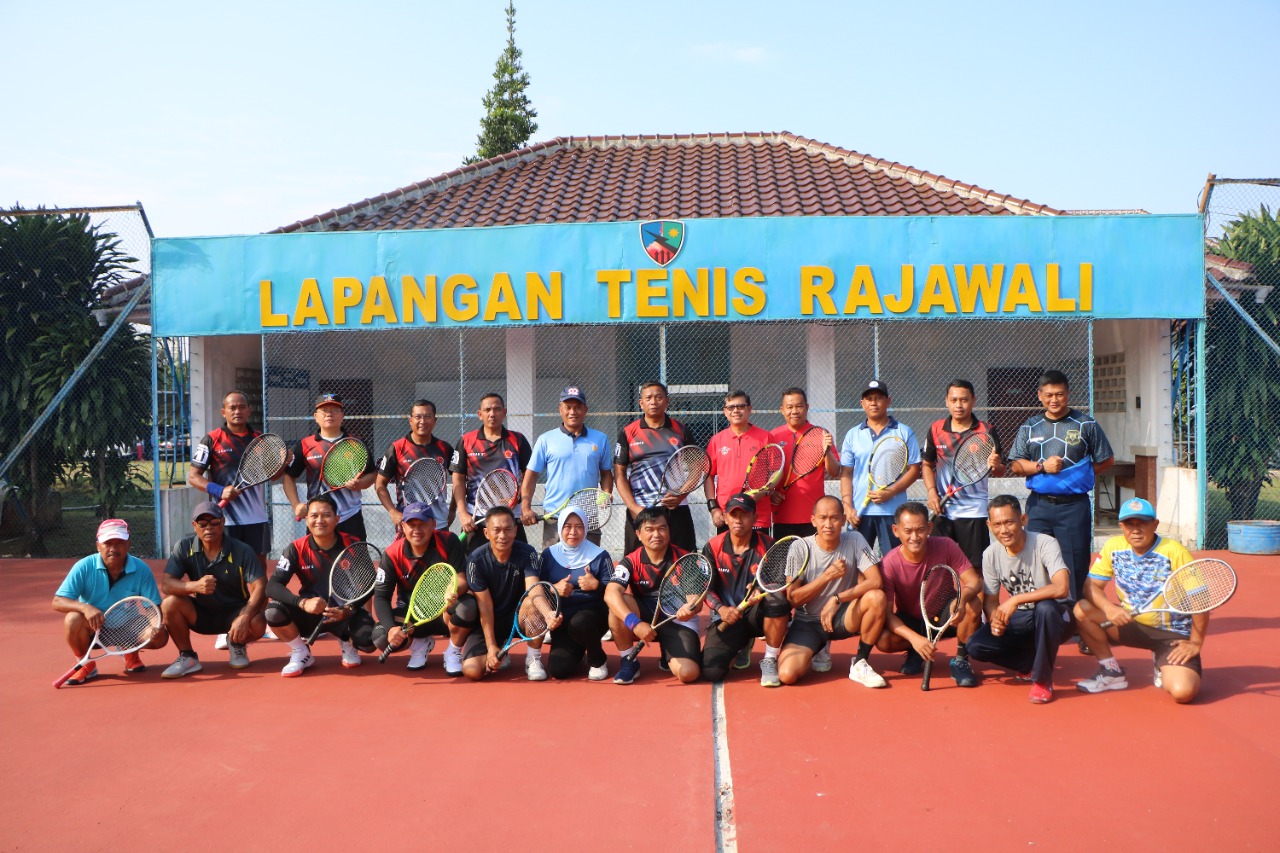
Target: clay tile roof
[[625, 178]]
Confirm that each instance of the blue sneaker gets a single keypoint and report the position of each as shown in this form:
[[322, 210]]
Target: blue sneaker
[[963, 673], [627, 672]]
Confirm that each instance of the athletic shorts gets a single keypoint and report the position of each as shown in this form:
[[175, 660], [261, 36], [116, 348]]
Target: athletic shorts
[[306, 622], [809, 633], [971, 534], [677, 639], [256, 536], [915, 623], [214, 618], [1158, 640], [475, 647]]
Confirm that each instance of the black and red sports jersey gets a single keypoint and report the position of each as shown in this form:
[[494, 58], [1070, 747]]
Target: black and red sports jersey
[[310, 563], [642, 576], [308, 455], [217, 457], [402, 453], [733, 572], [645, 451], [476, 456], [940, 445], [400, 570]]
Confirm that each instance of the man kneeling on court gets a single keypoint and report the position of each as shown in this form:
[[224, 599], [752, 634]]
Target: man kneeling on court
[[632, 614], [838, 596], [294, 616], [1024, 631], [1139, 561], [93, 585], [498, 574], [904, 569], [213, 584]]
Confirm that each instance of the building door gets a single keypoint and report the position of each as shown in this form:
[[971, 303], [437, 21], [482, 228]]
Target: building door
[[1011, 399]]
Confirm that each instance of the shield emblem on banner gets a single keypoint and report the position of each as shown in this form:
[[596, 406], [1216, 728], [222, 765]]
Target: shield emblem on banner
[[662, 239]]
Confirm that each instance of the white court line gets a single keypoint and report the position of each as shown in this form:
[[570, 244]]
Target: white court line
[[726, 826]]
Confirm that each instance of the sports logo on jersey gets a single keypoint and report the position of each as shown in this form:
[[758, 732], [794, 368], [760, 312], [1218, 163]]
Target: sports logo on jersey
[[662, 239], [673, 441], [507, 454], [724, 451], [1072, 437], [381, 577], [282, 565], [621, 573], [200, 455]]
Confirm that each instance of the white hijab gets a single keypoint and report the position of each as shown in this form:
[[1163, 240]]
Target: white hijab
[[578, 557]]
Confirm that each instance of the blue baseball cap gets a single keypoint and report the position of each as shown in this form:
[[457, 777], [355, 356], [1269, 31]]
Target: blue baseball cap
[[573, 392], [1137, 508], [418, 511]]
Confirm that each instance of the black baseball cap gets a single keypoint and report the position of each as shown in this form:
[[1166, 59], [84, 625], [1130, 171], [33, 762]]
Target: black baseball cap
[[741, 501], [875, 385]]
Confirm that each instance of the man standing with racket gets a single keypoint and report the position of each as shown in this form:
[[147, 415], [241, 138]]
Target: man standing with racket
[[481, 452], [573, 457], [93, 585], [731, 451], [498, 575], [295, 616], [810, 461], [214, 463], [1023, 632], [904, 570], [308, 458], [957, 486], [212, 584], [1060, 452], [735, 556], [869, 506], [403, 563], [1139, 561], [632, 597], [838, 596], [639, 460], [419, 443]]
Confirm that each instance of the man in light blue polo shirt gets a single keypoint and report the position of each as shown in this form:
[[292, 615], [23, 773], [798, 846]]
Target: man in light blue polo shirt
[[875, 522], [573, 457], [94, 584]]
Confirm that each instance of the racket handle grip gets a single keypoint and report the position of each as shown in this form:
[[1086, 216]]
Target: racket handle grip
[[635, 652], [65, 677], [927, 674], [1105, 625], [222, 504]]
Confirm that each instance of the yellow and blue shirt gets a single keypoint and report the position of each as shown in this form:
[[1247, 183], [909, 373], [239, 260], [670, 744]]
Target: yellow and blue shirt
[[1140, 577]]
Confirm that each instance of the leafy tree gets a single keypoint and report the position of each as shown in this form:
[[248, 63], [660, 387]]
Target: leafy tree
[[54, 269], [509, 114], [1242, 373]]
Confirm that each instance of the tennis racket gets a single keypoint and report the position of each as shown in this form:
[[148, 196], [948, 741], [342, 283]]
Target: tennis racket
[[969, 464], [809, 451], [888, 462], [764, 470], [685, 584], [345, 460], [436, 587], [263, 459], [127, 626], [537, 607], [939, 597], [1197, 587], [686, 470], [785, 561], [497, 488], [351, 578], [424, 481], [596, 506]]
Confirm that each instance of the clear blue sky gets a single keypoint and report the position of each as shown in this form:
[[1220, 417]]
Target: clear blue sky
[[239, 117]]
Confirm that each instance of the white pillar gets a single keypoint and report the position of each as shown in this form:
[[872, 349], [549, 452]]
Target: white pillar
[[820, 379], [521, 371]]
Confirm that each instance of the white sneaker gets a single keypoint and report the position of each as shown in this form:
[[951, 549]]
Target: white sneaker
[[862, 673], [1157, 679], [350, 656], [269, 634], [300, 660], [418, 651], [598, 673], [452, 660], [822, 660], [220, 643], [533, 668], [606, 637]]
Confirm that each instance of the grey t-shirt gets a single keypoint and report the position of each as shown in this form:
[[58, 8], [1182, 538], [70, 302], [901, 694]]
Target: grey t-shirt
[[1027, 571], [856, 552]]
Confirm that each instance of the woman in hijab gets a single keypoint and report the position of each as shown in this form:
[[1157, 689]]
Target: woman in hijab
[[578, 569]]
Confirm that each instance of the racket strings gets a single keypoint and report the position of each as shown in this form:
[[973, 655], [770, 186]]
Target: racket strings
[[765, 467], [497, 489], [1200, 586], [263, 458], [536, 609], [431, 592], [424, 481], [808, 452], [939, 594], [344, 462], [129, 624], [783, 562], [971, 459], [354, 573], [686, 470], [888, 462], [594, 505], [687, 581]]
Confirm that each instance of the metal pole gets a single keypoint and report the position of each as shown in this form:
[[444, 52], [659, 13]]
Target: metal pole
[[662, 353], [1202, 443], [875, 348], [155, 441]]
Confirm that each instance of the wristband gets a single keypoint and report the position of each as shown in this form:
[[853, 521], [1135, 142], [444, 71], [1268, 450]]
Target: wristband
[[713, 504], [631, 621], [213, 489]]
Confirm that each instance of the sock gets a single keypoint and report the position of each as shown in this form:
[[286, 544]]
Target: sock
[[962, 651], [298, 644], [455, 648], [770, 651], [417, 643], [626, 651], [864, 652], [1111, 663], [533, 654], [189, 653]]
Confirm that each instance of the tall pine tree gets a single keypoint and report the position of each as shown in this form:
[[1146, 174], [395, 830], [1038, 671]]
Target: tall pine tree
[[509, 115]]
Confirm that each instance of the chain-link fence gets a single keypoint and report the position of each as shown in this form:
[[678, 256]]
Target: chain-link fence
[[75, 378], [380, 373], [1241, 428]]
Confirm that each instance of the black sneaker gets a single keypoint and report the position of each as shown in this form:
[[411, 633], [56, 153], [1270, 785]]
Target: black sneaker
[[963, 673], [912, 664]]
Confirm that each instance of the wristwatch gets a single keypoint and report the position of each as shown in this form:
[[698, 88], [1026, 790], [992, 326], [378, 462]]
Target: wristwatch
[[713, 504], [1039, 466]]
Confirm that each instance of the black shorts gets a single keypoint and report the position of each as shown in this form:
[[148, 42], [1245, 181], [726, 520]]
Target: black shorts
[[809, 633], [971, 534], [360, 622], [475, 646], [256, 536], [354, 526], [676, 641], [915, 623], [1158, 640], [212, 617]]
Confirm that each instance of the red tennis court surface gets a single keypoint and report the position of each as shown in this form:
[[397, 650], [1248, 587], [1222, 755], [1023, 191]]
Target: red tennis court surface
[[367, 758]]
